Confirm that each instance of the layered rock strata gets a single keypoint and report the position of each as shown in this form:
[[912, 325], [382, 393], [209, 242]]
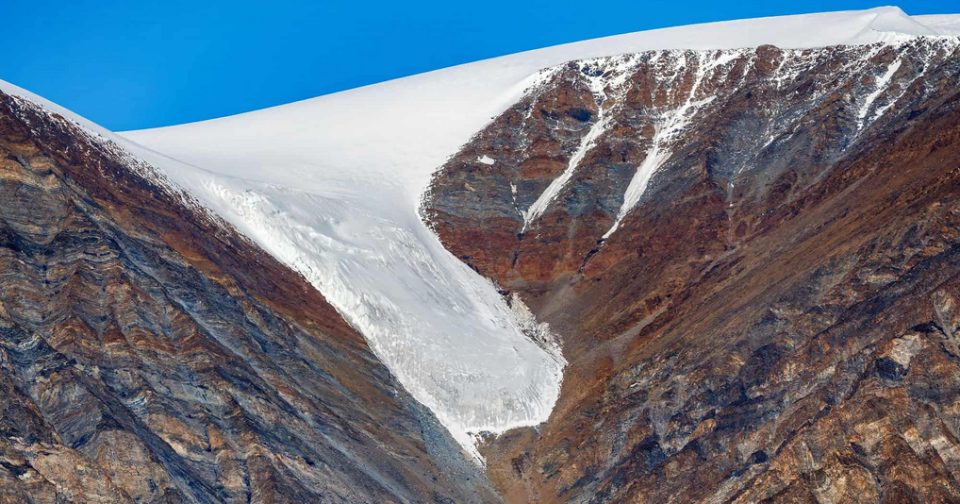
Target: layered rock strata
[[752, 257]]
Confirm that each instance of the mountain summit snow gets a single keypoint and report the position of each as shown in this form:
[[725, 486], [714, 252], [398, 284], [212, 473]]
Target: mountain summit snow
[[734, 245], [331, 186]]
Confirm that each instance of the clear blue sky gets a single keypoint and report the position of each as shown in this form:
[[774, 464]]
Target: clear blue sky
[[136, 64]]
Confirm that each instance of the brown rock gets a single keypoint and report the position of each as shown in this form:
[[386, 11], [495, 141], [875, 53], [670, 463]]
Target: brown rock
[[775, 319]]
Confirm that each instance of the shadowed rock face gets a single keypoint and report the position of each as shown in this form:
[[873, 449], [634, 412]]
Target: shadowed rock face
[[149, 353], [753, 260]]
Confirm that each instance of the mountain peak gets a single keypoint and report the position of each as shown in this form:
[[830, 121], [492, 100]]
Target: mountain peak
[[379, 145], [644, 245]]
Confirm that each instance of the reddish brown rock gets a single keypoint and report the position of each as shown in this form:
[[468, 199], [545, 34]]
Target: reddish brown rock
[[149, 353], [776, 318]]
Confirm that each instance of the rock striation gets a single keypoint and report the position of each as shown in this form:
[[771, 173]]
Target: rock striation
[[149, 353], [751, 256]]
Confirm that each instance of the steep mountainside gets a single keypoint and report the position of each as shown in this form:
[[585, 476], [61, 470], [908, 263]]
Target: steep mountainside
[[149, 353], [752, 258], [332, 187], [715, 263]]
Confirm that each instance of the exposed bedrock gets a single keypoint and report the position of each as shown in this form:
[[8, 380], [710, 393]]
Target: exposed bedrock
[[752, 257], [149, 353]]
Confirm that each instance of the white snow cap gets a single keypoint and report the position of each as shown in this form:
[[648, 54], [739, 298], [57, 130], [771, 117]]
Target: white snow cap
[[331, 186]]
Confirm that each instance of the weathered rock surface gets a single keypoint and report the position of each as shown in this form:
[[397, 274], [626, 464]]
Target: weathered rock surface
[[149, 353], [769, 310], [752, 256]]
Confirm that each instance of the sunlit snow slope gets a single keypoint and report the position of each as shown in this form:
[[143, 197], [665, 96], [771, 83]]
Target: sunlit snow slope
[[332, 187]]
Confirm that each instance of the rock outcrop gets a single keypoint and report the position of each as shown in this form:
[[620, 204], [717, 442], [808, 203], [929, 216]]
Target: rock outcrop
[[149, 353], [752, 257]]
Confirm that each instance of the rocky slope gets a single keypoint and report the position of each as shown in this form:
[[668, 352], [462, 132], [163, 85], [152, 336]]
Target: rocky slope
[[149, 353], [745, 234], [752, 258], [331, 186]]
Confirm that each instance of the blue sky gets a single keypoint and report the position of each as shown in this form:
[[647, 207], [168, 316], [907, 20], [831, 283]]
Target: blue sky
[[138, 64]]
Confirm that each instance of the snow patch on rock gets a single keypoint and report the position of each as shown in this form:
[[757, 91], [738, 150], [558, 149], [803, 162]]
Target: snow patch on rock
[[332, 185]]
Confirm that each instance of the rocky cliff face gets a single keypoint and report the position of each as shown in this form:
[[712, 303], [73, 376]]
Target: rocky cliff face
[[751, 255], [149, 353], [752, 258]]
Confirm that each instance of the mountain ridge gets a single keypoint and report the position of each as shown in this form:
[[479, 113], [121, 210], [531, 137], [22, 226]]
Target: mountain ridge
[[383, 142], [149, 353], [537, 240]]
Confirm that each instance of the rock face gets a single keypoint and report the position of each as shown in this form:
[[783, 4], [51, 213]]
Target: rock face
[[149, 353], [752, 256]]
